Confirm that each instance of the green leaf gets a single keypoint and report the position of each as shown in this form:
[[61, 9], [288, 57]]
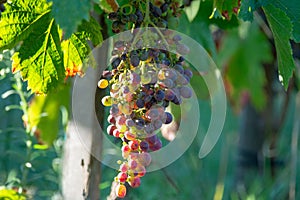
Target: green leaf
[[91, 30], [76, 47], [44, 113], [242, 54], [40, 58], [281, 27], [70, 13], [192, 10], [292, 10], [19, 19], [7, 194], [75, 50], [248, 7]]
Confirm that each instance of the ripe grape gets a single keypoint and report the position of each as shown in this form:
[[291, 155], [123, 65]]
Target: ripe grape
[[121, 191]]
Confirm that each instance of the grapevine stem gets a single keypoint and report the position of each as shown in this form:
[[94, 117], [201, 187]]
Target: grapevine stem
[[147, 15]]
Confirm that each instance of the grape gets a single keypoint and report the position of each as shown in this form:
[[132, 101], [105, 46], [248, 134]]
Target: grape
[[116, 133], [129, 136], [152, 114], [113, 16], [149, 128], [122, 177], [164, 7], [129, 122], [111, 119], [177, 38], [121, 120], [145, 78], [125, 151], [166, 62], [169, 94], [125, 89], [167, 83], [135, 60], [144, 55], [124, 167], [140, 16], [133, 145], [132, 163], [188, 73], [134, 78], [110, 129], [140, 171], [115, 63], [156, 146], [185, 92], [114, 110], [171, 74], [182, 49], [169, 118], [121, 191], [133, 18], [134, 182], [179, 68], [144, 145], [157, 124], [159, 95], [106, 101], [140, 103], [103, 83], [156, 11], [152, 139], [144, 158]]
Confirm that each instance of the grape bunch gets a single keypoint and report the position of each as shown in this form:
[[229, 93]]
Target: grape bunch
[[142, 83], [164, 14]]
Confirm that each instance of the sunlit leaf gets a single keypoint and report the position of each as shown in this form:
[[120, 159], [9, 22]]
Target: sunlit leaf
[[20, 18], [9, 194]]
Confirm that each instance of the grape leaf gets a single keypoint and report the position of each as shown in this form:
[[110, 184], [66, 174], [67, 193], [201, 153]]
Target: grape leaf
[[292, 10], [192, 10], [76, 47], [281, 27], [242, 55], [19, 19], [69, 14], [40, 58], [44, 113], [248, 7], [91, 30]]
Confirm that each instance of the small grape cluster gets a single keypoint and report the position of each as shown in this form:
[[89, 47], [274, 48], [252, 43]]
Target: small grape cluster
[[164, 14], [143, 81]]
